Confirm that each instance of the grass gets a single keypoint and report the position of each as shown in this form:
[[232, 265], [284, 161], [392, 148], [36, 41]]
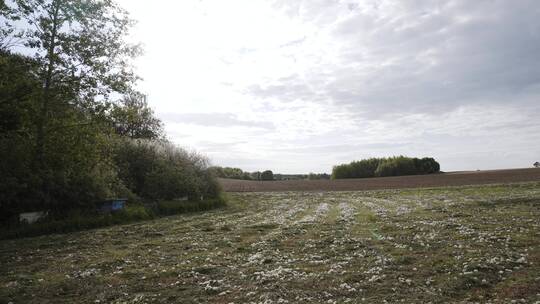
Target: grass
[[177, 207], [77, 221], [474, 244]]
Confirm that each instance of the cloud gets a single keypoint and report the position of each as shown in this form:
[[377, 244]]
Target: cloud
[[399, 57], [299, 86], [223, 120]]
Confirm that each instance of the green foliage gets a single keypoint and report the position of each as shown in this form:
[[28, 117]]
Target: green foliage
[[255, 175], [65, 143], [18, 87], [176, 207], [78, 219], [427, 165], [357, 169], [157, 170], [317, 176], [228, 172], [391, 166], [133, 118], [55, 143], [267, 175], [394, 166], [237, 173], [74, 168]]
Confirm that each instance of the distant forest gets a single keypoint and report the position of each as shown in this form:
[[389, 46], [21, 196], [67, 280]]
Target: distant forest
[[390, 166], [372, 167]]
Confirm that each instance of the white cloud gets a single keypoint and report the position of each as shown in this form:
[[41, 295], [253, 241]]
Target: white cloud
[[298, 86]]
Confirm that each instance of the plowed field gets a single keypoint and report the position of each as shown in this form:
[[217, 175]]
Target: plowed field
[[413, 181]]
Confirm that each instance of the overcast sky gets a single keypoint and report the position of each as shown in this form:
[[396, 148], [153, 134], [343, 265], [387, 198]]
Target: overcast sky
[[299, 86]]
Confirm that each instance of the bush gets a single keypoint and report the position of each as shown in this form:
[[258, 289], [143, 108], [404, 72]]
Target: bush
[[392, 166], [267, 175], [158, 170]]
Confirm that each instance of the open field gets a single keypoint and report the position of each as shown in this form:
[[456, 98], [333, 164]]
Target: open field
[[396, 182], [444, 245]]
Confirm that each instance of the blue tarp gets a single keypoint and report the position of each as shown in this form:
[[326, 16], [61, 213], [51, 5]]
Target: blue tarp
[[112, 205]]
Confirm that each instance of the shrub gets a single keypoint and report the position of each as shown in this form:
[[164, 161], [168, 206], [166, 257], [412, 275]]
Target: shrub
[[158, 170]]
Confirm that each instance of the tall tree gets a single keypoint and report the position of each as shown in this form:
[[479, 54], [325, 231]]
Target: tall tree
[[133, 118], [80, 60], [84, 58]]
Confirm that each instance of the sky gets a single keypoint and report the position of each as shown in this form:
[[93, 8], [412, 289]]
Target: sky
[[300, 86]]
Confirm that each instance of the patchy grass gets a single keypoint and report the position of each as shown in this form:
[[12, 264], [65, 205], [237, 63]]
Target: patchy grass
[[78, 220], [460, 245]]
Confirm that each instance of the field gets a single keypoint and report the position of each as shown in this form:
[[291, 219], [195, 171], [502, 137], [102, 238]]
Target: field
[[398, 182], [440, 245]]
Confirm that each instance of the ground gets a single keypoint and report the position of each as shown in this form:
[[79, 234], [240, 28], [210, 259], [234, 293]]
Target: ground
[[460, 178], [442, 245]]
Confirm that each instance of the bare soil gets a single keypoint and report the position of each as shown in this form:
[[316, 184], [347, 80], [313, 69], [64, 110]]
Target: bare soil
[[461, 178]]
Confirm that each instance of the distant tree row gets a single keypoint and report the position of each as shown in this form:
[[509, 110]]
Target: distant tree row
[[228, 172], [310, 176], [316, 176], [237, 173], [391, 166]]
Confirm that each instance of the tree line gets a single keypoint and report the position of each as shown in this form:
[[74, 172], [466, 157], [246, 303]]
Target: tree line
[[237, 173], [73, 128], [390, 166], [267, 175]]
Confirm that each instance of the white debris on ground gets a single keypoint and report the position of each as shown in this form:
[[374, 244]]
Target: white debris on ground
[[421, 246]]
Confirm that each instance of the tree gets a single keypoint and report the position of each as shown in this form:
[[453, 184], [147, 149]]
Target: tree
[[82, 54], [65, 141], [228, 172], [395, 166], [54, 106], [9, 37], [390, 166], [267, 175], [426, 165], [317, 176], [536, 164], [18, 87], [133, 118], [158, 170]]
